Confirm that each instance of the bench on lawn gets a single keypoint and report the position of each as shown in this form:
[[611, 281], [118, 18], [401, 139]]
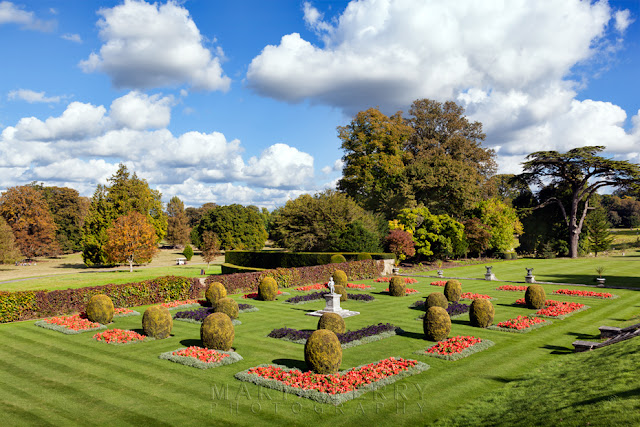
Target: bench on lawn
[[611, 334]]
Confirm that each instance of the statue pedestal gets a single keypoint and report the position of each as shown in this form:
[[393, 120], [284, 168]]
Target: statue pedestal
[[489, 276], [333, 306], [529, 279]]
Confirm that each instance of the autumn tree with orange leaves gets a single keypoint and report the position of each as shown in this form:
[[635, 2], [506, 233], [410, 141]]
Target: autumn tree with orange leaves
[[131, 239]]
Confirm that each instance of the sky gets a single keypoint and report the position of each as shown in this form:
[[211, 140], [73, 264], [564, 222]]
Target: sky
[[239, 101]]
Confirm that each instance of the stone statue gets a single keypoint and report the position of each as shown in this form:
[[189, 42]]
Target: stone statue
[[488, 269], [331, 286], [529, 271]]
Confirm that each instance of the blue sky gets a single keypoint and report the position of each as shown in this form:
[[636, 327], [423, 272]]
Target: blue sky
[[238, 102]]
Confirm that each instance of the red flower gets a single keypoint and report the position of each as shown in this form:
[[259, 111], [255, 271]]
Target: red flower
[[577, 293], [76, 322], [453, 345], [511, 288], [205, 355], [119, 336], [439, 283], [172, 304], [471, 295], [521, 322]]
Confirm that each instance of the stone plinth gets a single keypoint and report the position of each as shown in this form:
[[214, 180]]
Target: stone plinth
[[333, 306], [529, 279], [489, 276]]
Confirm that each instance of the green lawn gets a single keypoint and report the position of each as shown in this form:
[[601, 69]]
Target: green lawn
[[50, 378]]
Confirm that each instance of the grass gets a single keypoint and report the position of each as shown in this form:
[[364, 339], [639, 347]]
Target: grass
[[50, 378]]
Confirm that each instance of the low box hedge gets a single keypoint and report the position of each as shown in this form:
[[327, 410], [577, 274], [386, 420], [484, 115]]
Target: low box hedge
[[284, 259]]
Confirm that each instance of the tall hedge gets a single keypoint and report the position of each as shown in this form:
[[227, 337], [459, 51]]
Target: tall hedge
[[286, 259]]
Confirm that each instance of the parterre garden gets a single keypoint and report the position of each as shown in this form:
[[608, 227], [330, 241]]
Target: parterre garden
[[257, 360]]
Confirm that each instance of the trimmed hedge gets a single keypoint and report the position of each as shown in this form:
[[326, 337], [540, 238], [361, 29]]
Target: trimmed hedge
[[27, 305], [282, 259], [288, 277]]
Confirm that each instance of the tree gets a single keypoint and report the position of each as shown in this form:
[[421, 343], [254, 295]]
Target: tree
[[68, 211], [582, 173], [322, 222], [9, 252], [437, 236], [623, 211], [26, 211], [503, 224], [131, 239], [210, 247], [477, 235], [598, 233], [125, 194], [236, 226], [400, 243], [194, 215], [177, 223]]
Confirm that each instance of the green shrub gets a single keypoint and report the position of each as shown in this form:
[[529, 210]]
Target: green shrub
[[217, 332], [188, 252], [340, 278], [453, 290], [228, 307], [436, 299], [436, 324], [397, 287], [322, 352], [363, 256], [100, 309], [481, 313], [333, 322], [268, 289], [535, 296], [339, 289], [157, 322], [338, 258], [214, 292]]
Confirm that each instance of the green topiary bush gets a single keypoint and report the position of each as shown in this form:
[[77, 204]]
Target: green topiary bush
[[333, 322], [100, 309], [340, 278], [481, 313], [363, 255], [397, 287], [214, 292], [453, 290], [436, 324], [188, 252], [157, 322], [268, 289], [217, 332], [228, 307], [338, 258], [436, 299], [535, 296], [322, 352], [339, 289]]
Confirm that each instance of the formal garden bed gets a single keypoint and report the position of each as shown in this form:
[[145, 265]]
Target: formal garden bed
[[584, 294], [320, 286], [348, 339], [254, 295], [471, 296], [124, 312], [70, 325], [457, 347], [173, 305], [512, 288], [120, 336], [408, 291], [455, 309], [198, 315], [440, 283], [407, 280], [201, 358], [315, 296], [521, 324]]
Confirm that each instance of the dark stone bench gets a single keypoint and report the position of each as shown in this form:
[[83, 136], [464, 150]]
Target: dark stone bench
[[580, 346]]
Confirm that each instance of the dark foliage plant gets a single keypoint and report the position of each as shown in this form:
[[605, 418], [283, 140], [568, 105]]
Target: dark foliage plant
[[200, 314], [300, 299], [347, 337]]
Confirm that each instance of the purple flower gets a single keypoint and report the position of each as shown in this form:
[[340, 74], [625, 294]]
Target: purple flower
[[367, 331]]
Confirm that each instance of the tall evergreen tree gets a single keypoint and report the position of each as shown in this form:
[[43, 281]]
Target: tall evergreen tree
[[178, 224], [599, 236]]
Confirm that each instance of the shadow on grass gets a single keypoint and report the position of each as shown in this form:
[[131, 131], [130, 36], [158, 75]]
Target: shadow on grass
[[556, 349], [303, 309], [413, 335], [76, 266], [609, 397], [291, 363], [590, 278], [191, 341], [505, 380], [461, 322], [585, 337]]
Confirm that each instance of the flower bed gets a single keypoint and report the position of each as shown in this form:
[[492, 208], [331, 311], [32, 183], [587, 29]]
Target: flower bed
[[119, 336], [361, 287], [198, 315], [254, 295], [586, 294], [202, 358], [332, 388], [180, 304], [561, 309], [315, 287], [408, 291], [407, 280], [520, 324], [438, 283], [472, 296], [521, 301], [74, 324], [455, 309], [511, 288], [457, 347], [349, 339], [125, 312], [303, 299]]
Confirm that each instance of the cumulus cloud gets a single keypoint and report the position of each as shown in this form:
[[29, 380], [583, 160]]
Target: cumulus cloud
[[32, 96], [280, 166], [150, 45], [72, 38], [12, 14], [139, 111], [509, 64]]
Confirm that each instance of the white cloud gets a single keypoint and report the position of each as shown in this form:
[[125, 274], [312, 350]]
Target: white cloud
[[72, 38], [151, 45], [12, 14], [280, 166], [139, 111], [623, 20], [32, 97]]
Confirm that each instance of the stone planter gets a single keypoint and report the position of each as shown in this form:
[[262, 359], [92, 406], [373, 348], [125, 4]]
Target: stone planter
[[600, 281]]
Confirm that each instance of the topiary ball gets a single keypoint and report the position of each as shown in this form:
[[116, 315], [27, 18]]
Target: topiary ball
[[363, 256], [535, 296], [481, 313], [436, 324], [339, 289], [340, 278], [157, 322], [214, 292], [436, 299], [453, 290], [268, 289], [333, 322], [217, 332], [322, 352], [338, 258], [100, 309], [228, 307], [397, 287]]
